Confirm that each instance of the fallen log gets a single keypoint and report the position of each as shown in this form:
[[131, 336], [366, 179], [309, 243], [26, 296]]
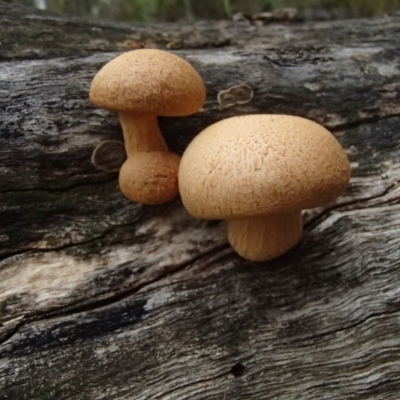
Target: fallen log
[[101, 298]]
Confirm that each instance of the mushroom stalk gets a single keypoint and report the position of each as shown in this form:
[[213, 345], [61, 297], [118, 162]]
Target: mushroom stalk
[[141, 133], [263, 238], [150, 173]]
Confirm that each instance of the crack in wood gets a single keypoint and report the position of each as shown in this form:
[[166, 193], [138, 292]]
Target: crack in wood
[[360, 122], [356, 324], [91, 304], [104, 235], [64, 189], [355, 204]]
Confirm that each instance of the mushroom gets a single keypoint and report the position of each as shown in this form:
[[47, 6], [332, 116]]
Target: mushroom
[[141, 85], [259, 172]]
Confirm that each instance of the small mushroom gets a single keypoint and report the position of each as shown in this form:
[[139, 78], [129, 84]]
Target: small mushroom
[[259, 172], [141, 85]]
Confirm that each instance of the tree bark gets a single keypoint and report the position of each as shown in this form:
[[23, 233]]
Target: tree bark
[[101, 298]]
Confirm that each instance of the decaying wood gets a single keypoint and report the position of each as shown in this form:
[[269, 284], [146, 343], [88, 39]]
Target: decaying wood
[[101, 298]]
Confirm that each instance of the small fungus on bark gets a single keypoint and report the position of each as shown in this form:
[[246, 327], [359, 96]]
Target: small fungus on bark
[[109, 156], [238, 94]]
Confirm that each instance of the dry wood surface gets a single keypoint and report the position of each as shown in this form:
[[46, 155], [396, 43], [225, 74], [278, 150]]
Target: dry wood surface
[[101, 298]]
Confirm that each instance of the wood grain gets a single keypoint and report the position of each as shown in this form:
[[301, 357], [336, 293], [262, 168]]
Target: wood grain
[[101, 298]]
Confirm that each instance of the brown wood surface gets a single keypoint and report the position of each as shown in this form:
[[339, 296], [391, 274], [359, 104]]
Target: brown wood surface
[[101, 298]]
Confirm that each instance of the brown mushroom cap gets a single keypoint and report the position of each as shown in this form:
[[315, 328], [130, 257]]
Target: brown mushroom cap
[[150, 177], [259, 164], [149, 81]]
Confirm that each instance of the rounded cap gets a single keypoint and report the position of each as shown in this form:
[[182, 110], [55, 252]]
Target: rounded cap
[[259, 164], [149, 81], [150, 177]]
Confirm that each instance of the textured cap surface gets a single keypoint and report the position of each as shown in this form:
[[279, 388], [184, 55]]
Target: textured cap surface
[[149, 81], [258, 164]]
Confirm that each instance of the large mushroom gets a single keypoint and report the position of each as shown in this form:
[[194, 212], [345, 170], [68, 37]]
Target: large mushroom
[[141, 85], [259, 172]]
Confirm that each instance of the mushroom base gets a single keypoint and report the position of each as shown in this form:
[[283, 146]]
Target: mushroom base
[[263, 238], [150, 177]]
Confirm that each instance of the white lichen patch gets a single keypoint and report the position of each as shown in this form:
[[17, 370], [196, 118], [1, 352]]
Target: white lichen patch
[[53, 279], [356, 53], [217, 58]]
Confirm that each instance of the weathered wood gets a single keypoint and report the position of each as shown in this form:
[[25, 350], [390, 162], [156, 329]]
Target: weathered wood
[[101, 298]]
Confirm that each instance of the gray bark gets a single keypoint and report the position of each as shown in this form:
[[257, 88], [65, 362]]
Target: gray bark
[[101, 298]]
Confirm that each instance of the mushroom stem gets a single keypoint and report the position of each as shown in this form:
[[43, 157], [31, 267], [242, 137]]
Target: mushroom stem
[[141, 133], [266, 237]]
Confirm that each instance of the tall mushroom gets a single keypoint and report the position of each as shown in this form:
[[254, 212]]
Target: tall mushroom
[[259, 172], [141, 85]]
